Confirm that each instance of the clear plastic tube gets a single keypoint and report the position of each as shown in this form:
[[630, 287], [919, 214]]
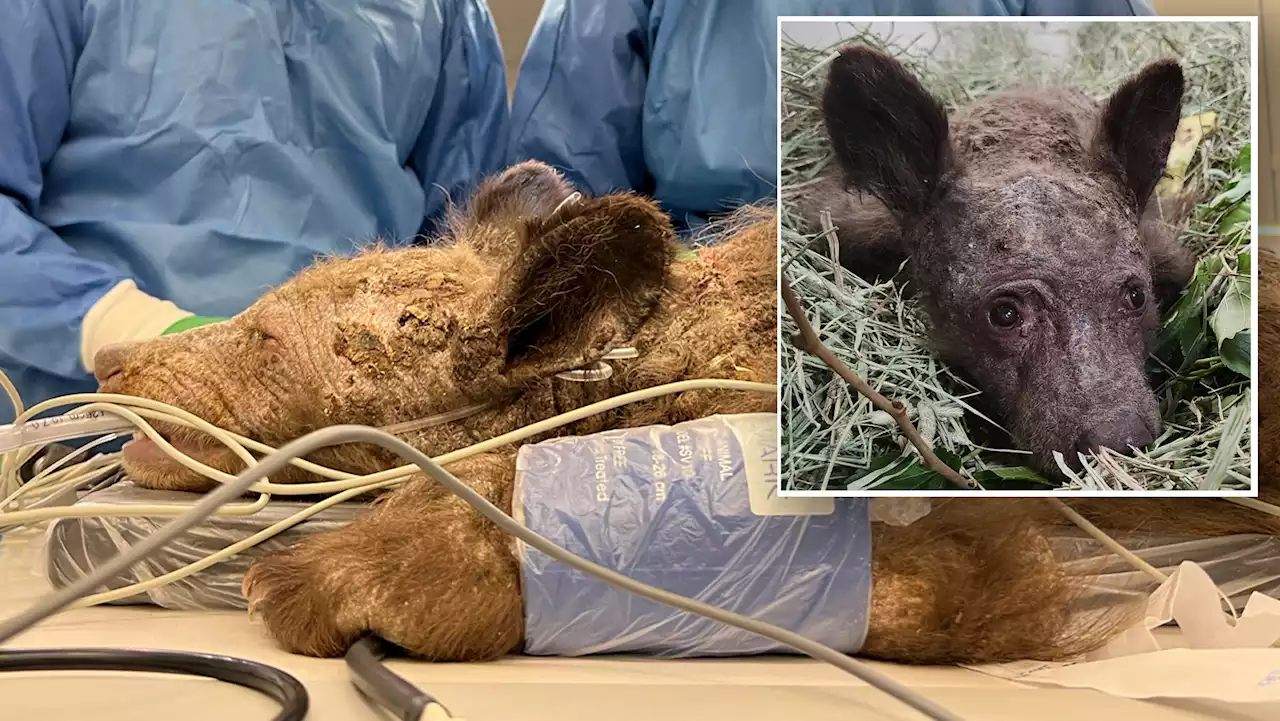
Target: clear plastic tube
[[437, 420], [44, 431]]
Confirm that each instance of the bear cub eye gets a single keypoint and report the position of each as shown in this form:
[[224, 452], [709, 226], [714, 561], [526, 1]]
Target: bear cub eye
[[1134, 297], [1004, 314]]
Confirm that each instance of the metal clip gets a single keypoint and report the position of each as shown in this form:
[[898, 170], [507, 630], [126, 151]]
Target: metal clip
[[600, 370], [567, 201]]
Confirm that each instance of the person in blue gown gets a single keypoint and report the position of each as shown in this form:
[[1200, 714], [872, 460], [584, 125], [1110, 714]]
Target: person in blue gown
[[677, 98], [163, 164]]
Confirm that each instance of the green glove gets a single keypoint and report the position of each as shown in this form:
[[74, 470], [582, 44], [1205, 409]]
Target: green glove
[[188, 323]]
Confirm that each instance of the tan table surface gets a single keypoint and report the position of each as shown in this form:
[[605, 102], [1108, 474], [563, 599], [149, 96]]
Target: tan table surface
[[519, 688]]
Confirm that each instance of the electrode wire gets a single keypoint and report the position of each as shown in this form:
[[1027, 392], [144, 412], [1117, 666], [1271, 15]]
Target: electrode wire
[[281, 687], [337, 435], [356, 486]]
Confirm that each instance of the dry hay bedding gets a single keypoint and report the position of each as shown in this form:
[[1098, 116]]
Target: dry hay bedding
[[834, 438]]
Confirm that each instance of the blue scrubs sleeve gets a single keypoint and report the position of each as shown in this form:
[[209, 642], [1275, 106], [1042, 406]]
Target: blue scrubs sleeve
[[580, 101], [464, 137], [45, 288], [1116, 8]]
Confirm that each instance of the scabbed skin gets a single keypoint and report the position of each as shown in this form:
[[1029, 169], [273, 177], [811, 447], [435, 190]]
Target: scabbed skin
[[1036, 200]]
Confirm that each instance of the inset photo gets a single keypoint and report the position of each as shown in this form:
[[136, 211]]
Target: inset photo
[[1017, 257]]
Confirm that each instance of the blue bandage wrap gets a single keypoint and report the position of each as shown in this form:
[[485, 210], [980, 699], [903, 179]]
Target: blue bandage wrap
[[692, 509]]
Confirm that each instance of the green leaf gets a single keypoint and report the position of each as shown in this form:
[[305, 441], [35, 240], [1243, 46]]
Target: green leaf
[[1232, 314], [948, 458], [1184, 328], [1236, 218], [1231, 320], [914, 476], [885, 466], [1236, 191], [1243, 160], [1191, 336], [1235, 353], [1020, 473], [917, 478], [1020, 478]]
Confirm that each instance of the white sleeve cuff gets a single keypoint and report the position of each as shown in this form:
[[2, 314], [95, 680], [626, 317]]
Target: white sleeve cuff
[[125, 314]]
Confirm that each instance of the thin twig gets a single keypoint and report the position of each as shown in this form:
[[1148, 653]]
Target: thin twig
[[809, 342]]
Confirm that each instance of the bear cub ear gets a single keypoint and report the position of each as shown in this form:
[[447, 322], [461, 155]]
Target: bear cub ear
[[889, 135], [584, 279]]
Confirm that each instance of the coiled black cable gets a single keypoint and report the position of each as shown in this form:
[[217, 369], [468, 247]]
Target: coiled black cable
[[272, 682]]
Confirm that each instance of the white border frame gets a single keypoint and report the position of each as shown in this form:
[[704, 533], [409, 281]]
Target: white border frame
[[1252, 21]]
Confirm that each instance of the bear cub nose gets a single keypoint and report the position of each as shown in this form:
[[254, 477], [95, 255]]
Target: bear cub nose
[[1118, 434]]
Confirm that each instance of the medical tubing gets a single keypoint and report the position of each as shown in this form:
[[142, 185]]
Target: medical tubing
[[55, 474], [281, 687], [60, 428], [57, 498], [1107, 541], [349, 481], [344, 481], [355, 485], [11, 461], [404, 700], [337, 435], [1255, 504], [161, 411]]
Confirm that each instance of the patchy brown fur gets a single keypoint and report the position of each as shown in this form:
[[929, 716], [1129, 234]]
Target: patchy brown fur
[[1268, 381], [974, 581]]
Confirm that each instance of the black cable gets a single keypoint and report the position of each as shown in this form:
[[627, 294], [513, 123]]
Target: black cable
[[272, 682], [404, 700]]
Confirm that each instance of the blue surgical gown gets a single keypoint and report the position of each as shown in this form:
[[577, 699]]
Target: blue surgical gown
[[209, 149], [677, 98]]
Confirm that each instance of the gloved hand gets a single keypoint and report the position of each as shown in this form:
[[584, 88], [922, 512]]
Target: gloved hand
[[190, 322], [127, 314]]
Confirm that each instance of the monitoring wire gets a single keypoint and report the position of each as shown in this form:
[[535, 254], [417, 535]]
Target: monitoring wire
[[281, 687], [350, 486], [336, 435], [134, 409], [345, 485]]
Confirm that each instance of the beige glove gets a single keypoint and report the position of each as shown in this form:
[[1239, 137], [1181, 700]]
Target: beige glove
[[125, 314]]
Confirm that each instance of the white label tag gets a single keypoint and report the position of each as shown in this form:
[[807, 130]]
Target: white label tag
[[757, 433]]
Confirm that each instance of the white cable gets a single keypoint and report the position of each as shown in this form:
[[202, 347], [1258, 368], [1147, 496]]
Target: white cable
[[12, 391], [325, 487], [239, 546], [360, 484], [1134, 560], [43, 431], [10, 463], [336, 435], [175, 416], [43, 514], [1111, 543], [305, 513], [56, 478], [436, 712], [345, 490], [347, 481], [1257, 505], [347, 486]]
